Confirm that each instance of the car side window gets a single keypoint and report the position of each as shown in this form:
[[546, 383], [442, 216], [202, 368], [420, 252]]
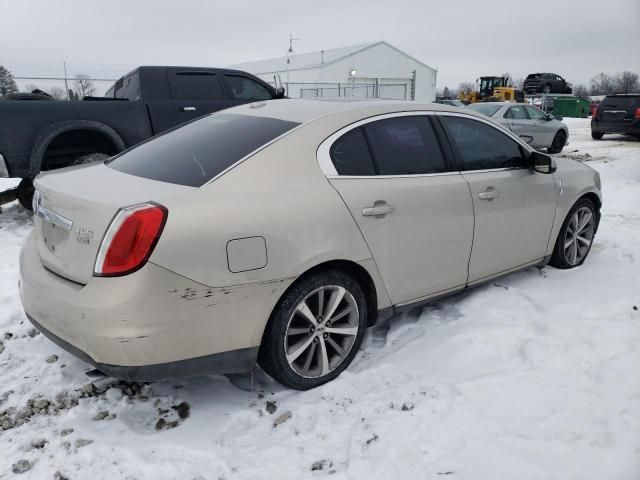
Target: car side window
[[197, 86], [535, 113], [481, 146], [405, 146], [516, 112], [243, 88], [350, 154]]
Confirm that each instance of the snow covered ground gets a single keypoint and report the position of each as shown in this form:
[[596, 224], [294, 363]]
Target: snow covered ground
[[533, 377]]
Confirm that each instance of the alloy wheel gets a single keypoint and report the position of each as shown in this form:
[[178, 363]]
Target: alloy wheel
[[321, 331], [579, 235]]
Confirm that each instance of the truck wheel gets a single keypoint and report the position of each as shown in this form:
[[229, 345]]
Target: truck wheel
[[89, 158], [25, 193], [596, 135]]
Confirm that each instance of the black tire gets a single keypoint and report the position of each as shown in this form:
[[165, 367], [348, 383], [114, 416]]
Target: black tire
[[272, 355], [559, 257], [569, 90], [546, 88], [25, 193], [89, 158], [596, 135], [558, 142]]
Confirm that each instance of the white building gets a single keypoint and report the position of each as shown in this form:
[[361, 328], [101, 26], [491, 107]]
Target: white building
[[362, 71]]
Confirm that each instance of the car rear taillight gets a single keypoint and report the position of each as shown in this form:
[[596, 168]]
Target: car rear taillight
[[637, 114], [595, 112], [130, 239]]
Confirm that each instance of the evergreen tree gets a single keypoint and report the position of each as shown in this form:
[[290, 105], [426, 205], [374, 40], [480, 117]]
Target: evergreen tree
[[7, 83]]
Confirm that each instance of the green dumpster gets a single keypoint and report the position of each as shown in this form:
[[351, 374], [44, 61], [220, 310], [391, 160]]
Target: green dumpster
[[577, 107]]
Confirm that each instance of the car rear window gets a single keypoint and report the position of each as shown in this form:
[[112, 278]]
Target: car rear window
[[485, 108], [196, 152], [626, 102]]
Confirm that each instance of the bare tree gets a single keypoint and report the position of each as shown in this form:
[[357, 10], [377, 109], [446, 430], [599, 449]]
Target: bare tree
[[602, 84], [580, 90], [58, 93], [518, 83], [30, 87], [467, 87], [446, 93], [508, 81], [83, 85], [627, 82]]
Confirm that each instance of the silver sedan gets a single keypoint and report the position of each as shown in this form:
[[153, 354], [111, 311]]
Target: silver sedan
[[538, 129]]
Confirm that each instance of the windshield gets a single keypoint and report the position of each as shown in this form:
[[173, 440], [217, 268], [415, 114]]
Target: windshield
[[488, 109], [198, 151]]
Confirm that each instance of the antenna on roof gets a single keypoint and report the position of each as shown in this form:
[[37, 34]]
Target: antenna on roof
[[290, 51]]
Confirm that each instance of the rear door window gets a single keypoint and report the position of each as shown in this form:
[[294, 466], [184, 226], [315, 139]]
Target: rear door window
[[535, 113], [405, 146], [196, 85], [350, 154], [198, 151], [481, 146], [517, 112]]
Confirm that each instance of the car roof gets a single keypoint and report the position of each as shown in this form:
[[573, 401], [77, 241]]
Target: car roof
[[302, 111]]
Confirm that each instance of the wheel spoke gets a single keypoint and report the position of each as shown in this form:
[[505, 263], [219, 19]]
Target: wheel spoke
[[569, 243], [347, 331], [584, 240], [347, 310], [574, 253], [298, 331], [584, 221], [321, 301], [303, 308], [324, 357], [336, 347], [302, 346], [334, 301], [307, 363]]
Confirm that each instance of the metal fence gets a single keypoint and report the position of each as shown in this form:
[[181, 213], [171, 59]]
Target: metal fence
[[328, 90]]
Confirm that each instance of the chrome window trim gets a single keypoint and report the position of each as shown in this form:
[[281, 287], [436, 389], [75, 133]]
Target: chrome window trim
[[329, 170], [324, 158], [4, 171]]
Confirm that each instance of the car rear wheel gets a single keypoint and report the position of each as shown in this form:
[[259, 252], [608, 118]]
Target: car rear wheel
[[596, 135], [315, 331], [576, 236], [558, 142], [547, 88]]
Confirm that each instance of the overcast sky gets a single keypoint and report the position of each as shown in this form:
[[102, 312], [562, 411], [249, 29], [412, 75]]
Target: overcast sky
[[462, 38]]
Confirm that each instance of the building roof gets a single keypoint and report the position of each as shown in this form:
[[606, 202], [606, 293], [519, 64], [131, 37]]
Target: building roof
[[313, 59]]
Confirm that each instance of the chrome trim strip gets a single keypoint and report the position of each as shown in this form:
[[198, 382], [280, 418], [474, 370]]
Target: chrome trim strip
[[53, 217], [4, 171], [372, 177]]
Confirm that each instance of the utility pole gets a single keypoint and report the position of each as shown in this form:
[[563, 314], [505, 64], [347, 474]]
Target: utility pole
[[290, 54], [66, 85]]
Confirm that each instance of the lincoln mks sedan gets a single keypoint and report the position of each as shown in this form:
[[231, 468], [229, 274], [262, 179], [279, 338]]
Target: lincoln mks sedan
[[276, 232]]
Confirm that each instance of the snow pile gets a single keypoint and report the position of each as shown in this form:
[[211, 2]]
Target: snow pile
[[535, 376]]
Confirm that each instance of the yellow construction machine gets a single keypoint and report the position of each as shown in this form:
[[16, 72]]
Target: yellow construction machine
[[492, 89]]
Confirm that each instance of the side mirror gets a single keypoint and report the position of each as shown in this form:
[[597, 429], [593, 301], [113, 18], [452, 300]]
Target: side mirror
[[542, 163], [280, 92], [550, 117]]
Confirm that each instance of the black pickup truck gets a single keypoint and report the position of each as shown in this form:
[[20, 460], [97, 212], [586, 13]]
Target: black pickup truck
[[47, 134]]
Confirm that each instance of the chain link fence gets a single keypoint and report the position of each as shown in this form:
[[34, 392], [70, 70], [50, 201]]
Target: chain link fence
[[329, 90]]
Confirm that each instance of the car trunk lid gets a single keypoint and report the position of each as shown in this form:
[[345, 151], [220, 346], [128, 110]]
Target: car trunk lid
[[75, 208], [618, 108]]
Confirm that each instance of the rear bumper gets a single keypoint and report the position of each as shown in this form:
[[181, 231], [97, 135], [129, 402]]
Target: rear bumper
[[607, 127], [151, 324]]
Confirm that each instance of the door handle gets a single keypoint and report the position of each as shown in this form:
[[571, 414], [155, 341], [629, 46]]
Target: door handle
[[378, 210], [188, 109], [489, 194]]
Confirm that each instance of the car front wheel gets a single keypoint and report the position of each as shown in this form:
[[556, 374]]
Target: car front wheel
[[576, 236], [558, 142], [315, 331]]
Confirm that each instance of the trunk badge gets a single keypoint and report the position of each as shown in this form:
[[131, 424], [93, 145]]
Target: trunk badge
[[84, 235]]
